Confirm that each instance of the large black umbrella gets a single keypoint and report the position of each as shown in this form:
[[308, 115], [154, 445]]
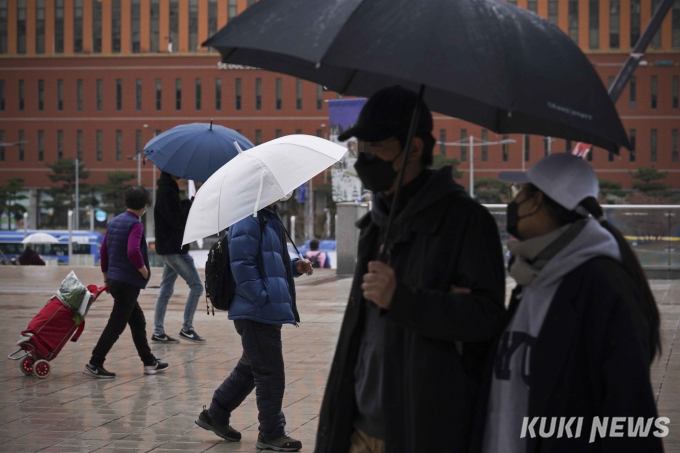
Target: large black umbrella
[[483, 61]]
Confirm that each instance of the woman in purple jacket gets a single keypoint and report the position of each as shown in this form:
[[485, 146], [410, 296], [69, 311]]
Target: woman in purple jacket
[[125, 265]]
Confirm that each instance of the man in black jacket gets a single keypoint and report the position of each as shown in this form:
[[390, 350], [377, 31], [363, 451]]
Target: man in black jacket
[[406, 371], [170, 215]]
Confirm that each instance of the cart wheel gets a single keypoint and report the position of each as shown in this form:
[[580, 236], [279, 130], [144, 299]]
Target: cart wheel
[[26, 365], [42, 369]]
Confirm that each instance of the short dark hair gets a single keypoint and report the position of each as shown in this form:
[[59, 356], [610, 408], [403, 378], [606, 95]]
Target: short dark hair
[[137, 197], [428, 146], [314, 244]]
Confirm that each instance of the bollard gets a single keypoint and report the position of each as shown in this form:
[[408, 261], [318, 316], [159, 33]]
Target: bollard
[[25, 224], [70, 237]]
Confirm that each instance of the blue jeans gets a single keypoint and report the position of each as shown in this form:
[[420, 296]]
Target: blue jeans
[[182, 265]]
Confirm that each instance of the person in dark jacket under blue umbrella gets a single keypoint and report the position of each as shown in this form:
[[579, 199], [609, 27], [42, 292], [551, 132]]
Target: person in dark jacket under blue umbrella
[[571, 370], [264, 300]]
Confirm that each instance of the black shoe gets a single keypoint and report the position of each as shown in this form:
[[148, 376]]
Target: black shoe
[[283, 443], [163, 339], [157, 367], [226, 432], [191, 335], [98, 372]]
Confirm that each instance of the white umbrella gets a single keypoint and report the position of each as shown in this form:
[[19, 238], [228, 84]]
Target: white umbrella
[[40, 238], [255, 179]]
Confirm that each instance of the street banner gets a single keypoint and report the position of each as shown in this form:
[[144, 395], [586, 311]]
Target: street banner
[[342, 114]]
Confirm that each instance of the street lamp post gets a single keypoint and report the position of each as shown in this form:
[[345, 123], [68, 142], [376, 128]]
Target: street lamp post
[[77, 217], [470, 143]]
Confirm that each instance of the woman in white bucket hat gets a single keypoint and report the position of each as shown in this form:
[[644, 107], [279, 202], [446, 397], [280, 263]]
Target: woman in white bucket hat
[[583, 327]]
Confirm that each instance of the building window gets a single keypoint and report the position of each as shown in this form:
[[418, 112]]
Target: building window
[[212, 17], [298, 131], [60, 144], [119, 146], [119, 94], [278, 133], [258, 94], [154, 26], [237, 93], [58, 26], [652, 145], [675, 25], [656, 39], [532, 5], [193, 25], [633, 92], [279, 93], [178, 94], [2, 140], [655, 91], [41, 95], [174, 26], [250, 3], [198, 94], [552, 11], [21, 95], [485, 147], [442, 142], [21, 26], [115, 25], [2, 95], [3, 33], [319, 97], [505, 149], [21, 146], [96, 26], [546, 145], [138, 94], [674, 145], [463, 141], [594, 24], [135, 18], [610, 156], [79, 94], [79, 144], [258, 137], [633, 139], [159, 93], [298, 94], [527, 148], [674, 88], [232, 9], [614, 24], [589, 156], [138, 142], [99, 145], [78, 26], [567, 146], [41, 145], [40, 26], [634, 22], [218, 94], [157, 132], [60, 94], [573, 20], [100, 94]]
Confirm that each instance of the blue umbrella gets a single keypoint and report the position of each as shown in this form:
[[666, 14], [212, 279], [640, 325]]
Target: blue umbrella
[[195, 151]]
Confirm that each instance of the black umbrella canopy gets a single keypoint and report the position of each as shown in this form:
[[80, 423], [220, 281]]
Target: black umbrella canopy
[[483, 61]]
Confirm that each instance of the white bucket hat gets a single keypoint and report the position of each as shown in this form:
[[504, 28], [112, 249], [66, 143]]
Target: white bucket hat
[[565, 178]]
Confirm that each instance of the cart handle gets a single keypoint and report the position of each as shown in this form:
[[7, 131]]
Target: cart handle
[[11, 356]]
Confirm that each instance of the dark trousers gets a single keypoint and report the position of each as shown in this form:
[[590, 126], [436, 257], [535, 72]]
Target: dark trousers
[[260, 367], [126, 310]]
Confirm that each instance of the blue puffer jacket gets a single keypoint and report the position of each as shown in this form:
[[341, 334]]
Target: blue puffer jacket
[[265, 290]]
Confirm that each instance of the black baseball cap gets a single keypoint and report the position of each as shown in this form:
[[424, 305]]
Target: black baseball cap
[[388, 114]]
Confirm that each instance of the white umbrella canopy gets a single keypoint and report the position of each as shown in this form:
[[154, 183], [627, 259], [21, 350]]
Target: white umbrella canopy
[[40, 238], [255, 179]]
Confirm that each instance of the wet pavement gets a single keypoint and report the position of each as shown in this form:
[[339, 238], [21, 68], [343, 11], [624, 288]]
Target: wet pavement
[[69, 412]]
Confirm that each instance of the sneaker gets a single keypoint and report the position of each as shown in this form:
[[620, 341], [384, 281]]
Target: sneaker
[[163, 338], [191, 335], [226, 432], [98, 372], [283, 443], [157, 367]]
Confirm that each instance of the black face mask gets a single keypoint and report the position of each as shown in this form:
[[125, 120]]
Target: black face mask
[[376, 174], [512, 217]]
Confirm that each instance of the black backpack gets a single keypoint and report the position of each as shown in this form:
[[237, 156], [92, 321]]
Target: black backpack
[[220, 286], [314, 260]]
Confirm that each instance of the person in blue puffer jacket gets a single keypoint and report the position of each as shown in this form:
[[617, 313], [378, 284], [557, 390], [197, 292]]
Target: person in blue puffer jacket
[[264, 300]]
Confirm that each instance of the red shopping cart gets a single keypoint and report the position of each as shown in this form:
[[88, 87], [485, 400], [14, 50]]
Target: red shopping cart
[[47, 334]]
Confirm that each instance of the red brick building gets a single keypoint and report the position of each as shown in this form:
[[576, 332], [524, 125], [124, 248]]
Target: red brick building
[[97, 78]]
